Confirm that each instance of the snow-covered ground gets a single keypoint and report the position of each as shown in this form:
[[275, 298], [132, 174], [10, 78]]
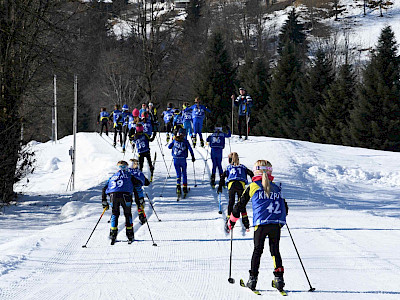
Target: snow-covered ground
[[344, 217]]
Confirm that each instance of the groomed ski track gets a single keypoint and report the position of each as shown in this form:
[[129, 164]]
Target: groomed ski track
[[350, 250]]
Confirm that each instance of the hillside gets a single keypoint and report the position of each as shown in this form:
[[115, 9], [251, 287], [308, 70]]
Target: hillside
[[344, 209]]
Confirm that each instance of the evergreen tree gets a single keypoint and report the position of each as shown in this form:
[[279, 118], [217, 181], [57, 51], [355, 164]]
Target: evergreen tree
[[216, 80], [333, 121], [282, 103], [292, 30], [312, 95], [375, 121]]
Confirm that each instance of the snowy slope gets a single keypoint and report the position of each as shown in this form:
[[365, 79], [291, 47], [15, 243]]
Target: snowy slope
[[344, 209]]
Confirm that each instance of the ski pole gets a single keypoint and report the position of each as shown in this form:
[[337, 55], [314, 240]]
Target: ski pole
[[151, 204], [165, 181], [159, 145], [154, 244], [84, 246], [194, 173], [230, 279], [219, 203], [311, 288], [205, 163]]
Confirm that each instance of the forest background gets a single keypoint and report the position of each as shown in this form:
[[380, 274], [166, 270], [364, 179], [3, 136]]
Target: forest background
[[306, 80]]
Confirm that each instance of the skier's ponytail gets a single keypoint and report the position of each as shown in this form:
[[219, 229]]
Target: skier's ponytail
[[260, 168], [233, 159]]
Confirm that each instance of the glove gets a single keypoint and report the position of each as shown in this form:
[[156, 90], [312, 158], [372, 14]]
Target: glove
[[230, 224], [219, 189], [193, 159], [228, 128], [105, 204], [245, 221]]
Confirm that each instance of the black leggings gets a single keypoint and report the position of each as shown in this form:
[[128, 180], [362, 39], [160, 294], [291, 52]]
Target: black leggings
[[118, 130], [273, 231], [242, 123], [141, 160], [235, 189]]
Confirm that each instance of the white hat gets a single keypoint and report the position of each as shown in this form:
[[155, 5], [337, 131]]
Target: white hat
[[150, 104]]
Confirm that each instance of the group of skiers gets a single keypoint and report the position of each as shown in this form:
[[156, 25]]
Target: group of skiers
[[269, 208]]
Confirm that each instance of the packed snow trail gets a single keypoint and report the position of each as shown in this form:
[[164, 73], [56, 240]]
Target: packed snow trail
[[347, 240]]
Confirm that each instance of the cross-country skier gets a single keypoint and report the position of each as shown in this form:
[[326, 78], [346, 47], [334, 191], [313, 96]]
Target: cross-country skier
[[269, 215], [177, 121], [133, 119], [147, 126], [116, 116], [154, 118], [198, 115], [180, 147], [236, 179], [134, 169], [217, 144], [168, 116], [125, 119], [244, 102], [143, 109], [187, 119], [103, 118], [120, 188], [143, 148]]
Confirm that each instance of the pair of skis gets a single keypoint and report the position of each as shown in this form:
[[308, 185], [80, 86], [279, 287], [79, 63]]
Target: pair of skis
[[257, 292]]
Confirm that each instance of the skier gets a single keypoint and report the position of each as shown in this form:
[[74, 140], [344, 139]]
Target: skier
[[180, 147], [177, 121], [168, 115], [143, 148], [120, 187], [244, 102], [143, 109], [217, 144], [198, 115], [103, 117], [147, 127], [133, 119], [125, 119], [187, 119], [236, 178], [134, 169], [269, 215], [116, 116], [153, 117]]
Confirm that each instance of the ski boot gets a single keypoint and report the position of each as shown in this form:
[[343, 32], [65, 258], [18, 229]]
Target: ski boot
[[114, 144], [251, 284], [212, 181], [226, 225], [185, 191], [168, 137], [123, 149], [129, 234], [194, 141], [142, 215], [278, 281], [202, 143], [113, 235], [178, 192]]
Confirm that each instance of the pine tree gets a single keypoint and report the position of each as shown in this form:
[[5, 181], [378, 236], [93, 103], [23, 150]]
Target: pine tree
[[292, 30], [282, 103], [333, 121], [375, 120], [312, 95], [216, 80]]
